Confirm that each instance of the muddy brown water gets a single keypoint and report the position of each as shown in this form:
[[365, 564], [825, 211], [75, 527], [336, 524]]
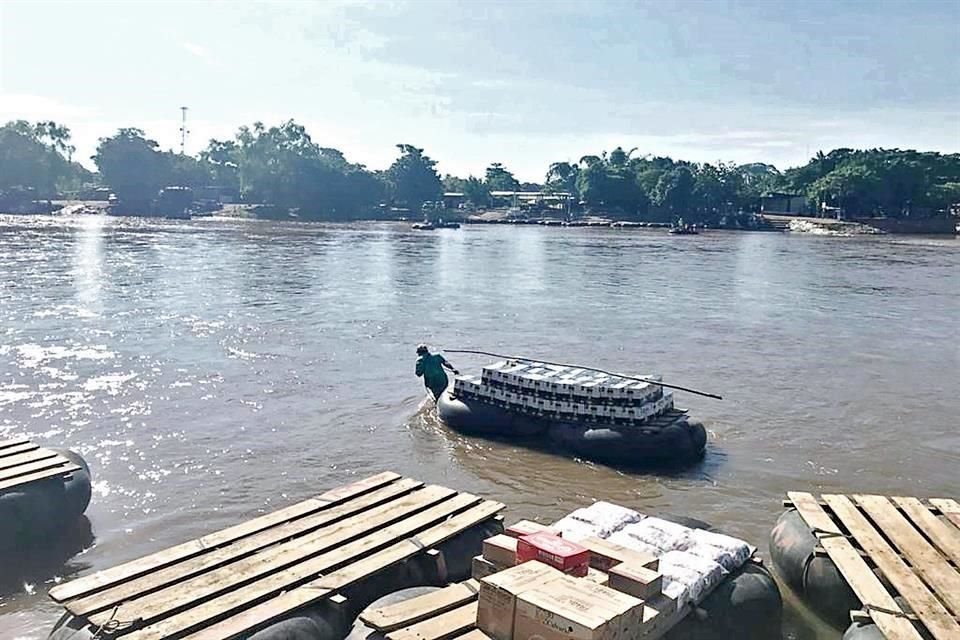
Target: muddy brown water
[[216, 369]]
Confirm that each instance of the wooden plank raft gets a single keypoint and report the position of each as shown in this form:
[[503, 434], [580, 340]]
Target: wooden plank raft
[[23, 462], [230, 583], [915, 549]]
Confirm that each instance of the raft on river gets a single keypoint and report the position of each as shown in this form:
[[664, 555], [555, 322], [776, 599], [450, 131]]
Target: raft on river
[[888, 564], [43, 493], [622, 420], [305, 572]]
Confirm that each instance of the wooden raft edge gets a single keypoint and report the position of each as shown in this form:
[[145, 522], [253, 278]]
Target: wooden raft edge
[[170, 555]]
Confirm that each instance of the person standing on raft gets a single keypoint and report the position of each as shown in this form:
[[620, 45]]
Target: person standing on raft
[[430, 366]]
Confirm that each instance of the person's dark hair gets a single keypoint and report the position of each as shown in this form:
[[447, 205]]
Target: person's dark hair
[[422, 349]]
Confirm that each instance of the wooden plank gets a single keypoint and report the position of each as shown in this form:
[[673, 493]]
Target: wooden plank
[[926, 561], [949, 508], [39, 475], [864, 583], [257, 616], [924, 604], [14, 442], [29, 456], [17, 448], [180, 571], [244, 602], [140, 566], [441, 627], [33, 467], [403, 614], [945, 537], [298, 552], [475, 634]]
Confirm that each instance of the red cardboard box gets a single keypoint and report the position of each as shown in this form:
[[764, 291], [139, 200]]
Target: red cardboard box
[[567, 556]]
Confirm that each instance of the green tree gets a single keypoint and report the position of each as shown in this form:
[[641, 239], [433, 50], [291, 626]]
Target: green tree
[[562, 178], [674, 191], [132, 166], [498, 178], [32, 156], [412, 178]]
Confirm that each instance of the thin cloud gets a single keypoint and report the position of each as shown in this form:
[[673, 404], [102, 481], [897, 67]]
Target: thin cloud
[[198, 51]]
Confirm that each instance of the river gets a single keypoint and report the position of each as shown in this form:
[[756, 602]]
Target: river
[[215, 369]]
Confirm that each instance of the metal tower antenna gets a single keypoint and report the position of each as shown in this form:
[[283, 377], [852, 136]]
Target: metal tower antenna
[[183, 131]]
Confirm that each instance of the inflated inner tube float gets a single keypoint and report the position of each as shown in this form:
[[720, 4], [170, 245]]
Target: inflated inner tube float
[[34, 514], [42, 525], [812, 576], [677, 442]]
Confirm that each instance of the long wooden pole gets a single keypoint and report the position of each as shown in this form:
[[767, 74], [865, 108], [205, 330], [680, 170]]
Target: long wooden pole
[[615, 375]]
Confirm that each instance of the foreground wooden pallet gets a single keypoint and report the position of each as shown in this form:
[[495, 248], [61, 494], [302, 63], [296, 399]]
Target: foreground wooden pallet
[[452, 613], [23, 462], [915, 549], [228, 583]]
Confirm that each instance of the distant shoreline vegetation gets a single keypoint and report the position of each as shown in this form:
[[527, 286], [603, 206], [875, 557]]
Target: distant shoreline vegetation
[[283, 168]]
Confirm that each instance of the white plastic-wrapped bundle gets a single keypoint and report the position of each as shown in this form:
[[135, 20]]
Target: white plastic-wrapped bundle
[[706, 551], [576, 530], [664, 535], [624, 539], [699, 575], [734, 552], [607, 517], [675, 590]]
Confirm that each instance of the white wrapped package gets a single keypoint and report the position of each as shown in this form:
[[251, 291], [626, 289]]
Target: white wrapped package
[[576, 530], [676, 591], [736, 550], [698, 574], [624, 539], [722, 557], [664, 535], [607, 517]]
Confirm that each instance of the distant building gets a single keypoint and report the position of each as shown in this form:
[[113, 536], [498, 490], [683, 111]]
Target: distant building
[[217, 194], [453, 199], [784, 204], [558, 200]]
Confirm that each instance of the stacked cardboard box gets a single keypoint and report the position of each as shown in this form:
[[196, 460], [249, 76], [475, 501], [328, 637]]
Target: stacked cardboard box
[[530, 586], [533, 600]]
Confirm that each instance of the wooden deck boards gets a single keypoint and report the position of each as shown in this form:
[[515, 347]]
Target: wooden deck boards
[[226, 584], [404, 614], [23, 462], [906, 541]]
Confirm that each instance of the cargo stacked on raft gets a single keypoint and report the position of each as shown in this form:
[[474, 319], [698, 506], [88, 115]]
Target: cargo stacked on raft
[[603, 572], [616, 419]]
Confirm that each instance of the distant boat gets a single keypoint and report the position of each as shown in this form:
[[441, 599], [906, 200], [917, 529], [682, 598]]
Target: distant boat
[[682, 229], [426, 225]]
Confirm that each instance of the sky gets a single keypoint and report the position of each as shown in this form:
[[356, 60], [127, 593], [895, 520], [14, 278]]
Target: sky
[[525, 83]]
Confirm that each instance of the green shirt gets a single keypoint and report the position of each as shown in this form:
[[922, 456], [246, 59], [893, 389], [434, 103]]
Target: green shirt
[[430, 366]]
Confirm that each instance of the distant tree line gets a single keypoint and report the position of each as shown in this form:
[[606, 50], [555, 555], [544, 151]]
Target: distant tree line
[[283, 166]]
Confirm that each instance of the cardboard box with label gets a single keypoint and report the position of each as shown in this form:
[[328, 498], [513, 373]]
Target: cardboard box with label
[[526, 527], [564, 555], [501, 550], [499, 592], [637, 581], [605, 555]]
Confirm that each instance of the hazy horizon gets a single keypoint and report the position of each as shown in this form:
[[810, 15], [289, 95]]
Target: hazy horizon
[[525, 84]]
